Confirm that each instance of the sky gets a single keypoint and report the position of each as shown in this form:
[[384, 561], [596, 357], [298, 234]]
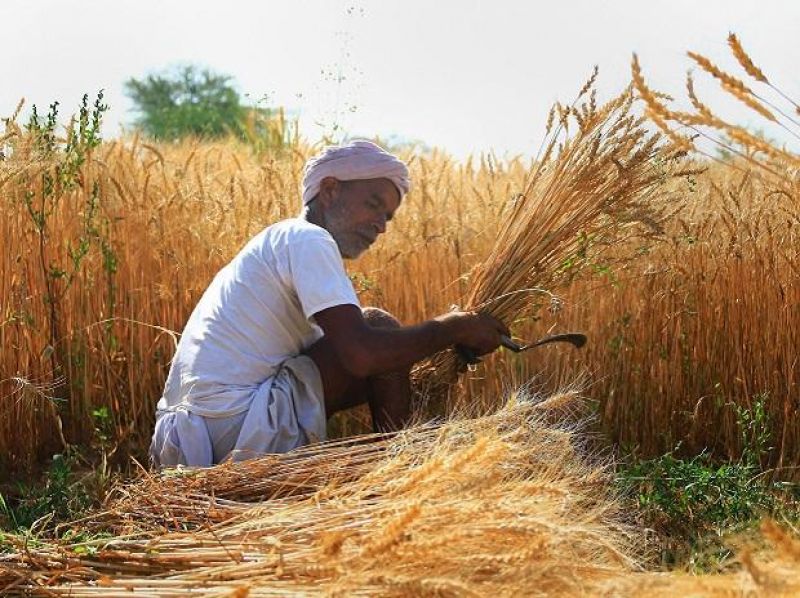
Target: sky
[[464, 75]]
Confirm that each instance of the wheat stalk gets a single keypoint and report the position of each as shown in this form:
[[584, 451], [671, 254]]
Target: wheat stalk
[[584, 187], [661, 116], [747, 64]]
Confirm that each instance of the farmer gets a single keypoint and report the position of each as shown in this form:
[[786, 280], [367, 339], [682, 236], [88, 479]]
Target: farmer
[[278, 342]]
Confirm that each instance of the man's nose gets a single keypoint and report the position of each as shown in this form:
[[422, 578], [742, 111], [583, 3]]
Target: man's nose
[[380, 224]]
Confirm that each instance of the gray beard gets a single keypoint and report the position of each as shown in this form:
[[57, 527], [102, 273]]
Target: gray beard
[[350, 246]]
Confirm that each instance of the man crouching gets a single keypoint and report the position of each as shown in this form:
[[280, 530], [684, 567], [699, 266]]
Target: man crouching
[[278, 342]]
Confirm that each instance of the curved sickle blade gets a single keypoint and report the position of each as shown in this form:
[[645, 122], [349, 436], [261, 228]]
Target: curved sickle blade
[[576, 339]]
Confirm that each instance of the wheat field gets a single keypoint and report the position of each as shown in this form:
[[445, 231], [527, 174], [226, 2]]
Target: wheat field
[[683, 273], [697, 318]]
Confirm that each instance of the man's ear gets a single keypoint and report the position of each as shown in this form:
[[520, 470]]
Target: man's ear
[[329, 189]]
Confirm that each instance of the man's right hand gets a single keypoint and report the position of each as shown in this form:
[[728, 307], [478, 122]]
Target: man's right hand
[[364, 351], [476, 331]]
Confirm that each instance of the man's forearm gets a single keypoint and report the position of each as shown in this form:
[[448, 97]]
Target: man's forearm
[[392, 349], [366, 350], [379, 350]]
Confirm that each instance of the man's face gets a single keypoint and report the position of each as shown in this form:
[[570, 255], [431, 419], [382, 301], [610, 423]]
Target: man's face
[[356, 212]]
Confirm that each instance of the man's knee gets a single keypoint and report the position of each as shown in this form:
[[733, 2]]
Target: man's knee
[[379, 318]]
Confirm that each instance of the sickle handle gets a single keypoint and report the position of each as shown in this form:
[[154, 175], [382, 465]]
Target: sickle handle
[[509, 344]]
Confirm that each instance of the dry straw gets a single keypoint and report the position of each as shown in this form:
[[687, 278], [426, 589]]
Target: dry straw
[[472, 507], [497, 505]]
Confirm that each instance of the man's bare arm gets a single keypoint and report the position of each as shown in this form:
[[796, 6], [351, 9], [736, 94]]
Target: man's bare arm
[[366, 351]]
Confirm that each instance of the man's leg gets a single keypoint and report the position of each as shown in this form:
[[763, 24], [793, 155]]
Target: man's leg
[[388, 395]]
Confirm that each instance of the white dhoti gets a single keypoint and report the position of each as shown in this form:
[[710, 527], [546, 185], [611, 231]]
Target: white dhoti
[[286, 411]]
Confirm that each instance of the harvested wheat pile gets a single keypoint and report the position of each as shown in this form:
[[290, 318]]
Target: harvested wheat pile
[[490, 505], [504, 505]]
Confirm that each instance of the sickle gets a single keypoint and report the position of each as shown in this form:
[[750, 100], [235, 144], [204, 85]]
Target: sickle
[[576, 339]]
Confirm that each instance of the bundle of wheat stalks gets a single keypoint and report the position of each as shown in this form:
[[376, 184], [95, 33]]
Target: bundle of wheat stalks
[[492, 505], [590, 188]]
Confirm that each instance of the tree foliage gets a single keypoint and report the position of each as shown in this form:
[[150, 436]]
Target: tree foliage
[[186, 101]]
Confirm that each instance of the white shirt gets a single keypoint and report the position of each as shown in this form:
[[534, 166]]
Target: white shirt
[[257, 312]]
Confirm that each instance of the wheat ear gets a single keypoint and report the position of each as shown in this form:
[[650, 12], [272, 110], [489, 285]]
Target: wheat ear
[[744, 59]]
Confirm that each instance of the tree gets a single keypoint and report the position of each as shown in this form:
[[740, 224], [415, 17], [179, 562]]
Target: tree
[[186, 101]]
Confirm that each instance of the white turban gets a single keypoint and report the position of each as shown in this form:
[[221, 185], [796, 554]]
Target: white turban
[[354, 161]]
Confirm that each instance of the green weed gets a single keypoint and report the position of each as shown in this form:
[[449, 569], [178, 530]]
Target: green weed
[[695, 503], [56, 498]]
